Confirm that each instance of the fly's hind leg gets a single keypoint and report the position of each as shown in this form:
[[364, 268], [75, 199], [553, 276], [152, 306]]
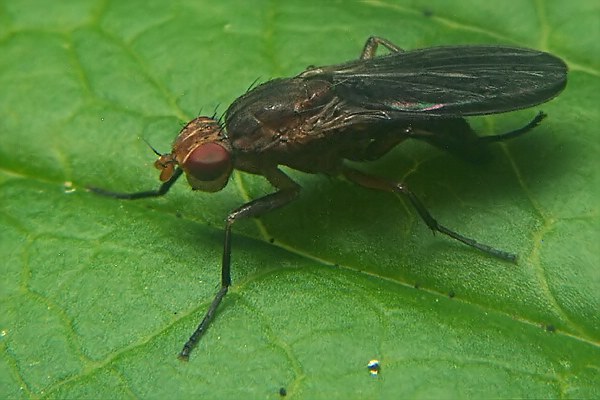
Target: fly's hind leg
[[516, 133], [456, 136], [453, 135]]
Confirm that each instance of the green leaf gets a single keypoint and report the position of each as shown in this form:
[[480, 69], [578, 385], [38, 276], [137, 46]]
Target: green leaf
[[98, 295]]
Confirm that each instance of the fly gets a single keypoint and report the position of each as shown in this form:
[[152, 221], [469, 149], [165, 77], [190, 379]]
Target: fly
[[356, 111]]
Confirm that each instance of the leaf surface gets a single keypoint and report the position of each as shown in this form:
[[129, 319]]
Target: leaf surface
[[98, 295]]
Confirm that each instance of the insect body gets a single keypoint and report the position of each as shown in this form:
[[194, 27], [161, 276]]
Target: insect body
[[356, 111]]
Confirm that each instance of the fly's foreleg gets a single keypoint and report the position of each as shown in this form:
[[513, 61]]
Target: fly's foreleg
[[289, 190], [161, 191], [373, 182]]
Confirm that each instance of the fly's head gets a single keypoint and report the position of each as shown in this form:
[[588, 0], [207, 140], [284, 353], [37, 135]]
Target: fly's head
[[204, 154]]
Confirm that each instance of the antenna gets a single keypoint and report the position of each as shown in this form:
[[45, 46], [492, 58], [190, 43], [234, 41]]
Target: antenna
[[152, 147]]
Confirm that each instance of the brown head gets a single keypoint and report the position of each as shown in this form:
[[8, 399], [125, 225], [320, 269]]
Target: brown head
[[204, 154]]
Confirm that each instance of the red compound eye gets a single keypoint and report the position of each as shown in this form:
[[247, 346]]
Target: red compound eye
[[208, 162]]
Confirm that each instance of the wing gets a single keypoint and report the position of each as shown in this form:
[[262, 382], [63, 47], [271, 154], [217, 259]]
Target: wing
[[443, 82]]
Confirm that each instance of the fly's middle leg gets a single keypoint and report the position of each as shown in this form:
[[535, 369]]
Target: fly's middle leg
[[371, 47], [373, 182]]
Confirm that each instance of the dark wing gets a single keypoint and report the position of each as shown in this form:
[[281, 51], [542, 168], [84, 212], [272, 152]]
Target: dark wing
[[443, 82]]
